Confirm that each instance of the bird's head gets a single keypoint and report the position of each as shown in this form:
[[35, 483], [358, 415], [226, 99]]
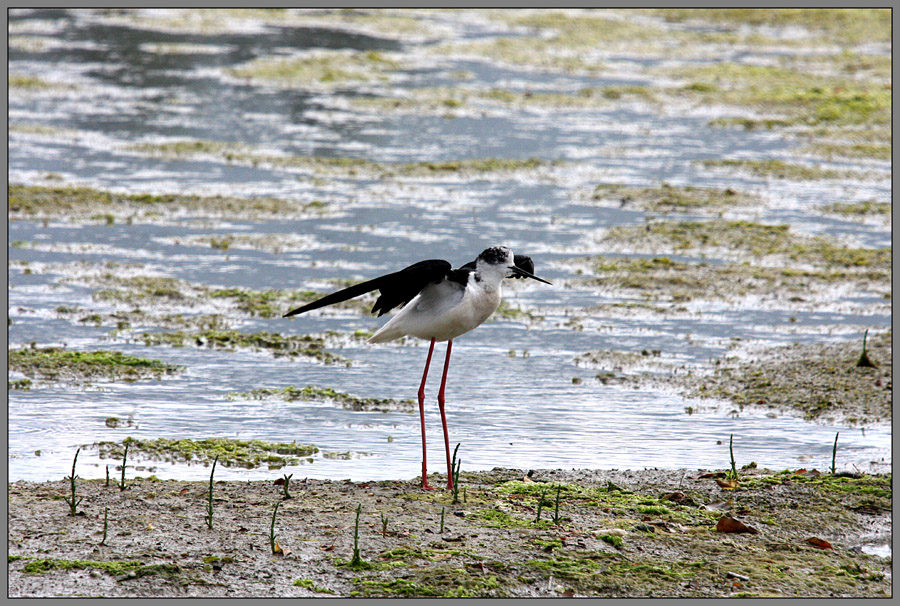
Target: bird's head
[[498, 262]]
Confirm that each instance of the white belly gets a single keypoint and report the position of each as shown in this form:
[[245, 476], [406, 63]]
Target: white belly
[[440, 319]]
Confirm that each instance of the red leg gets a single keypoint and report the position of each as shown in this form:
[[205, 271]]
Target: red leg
[[422, 415], [444, 418]]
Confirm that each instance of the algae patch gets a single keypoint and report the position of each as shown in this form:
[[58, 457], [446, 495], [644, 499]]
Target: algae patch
[[292, 346], [754, 239], [660, 279], [82, 203], [311, 585], [125, 569], [856, 209], [232, 453], [311, 393], [785, 170], [324, 68], [799, 96], [844, 26], [55, 363], [669, 198], [822, 382], [347, 166]]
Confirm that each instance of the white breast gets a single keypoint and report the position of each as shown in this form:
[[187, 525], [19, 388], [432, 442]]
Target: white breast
[[442, 311]]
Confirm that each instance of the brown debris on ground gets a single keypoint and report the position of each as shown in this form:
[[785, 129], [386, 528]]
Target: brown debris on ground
[[613, 533]]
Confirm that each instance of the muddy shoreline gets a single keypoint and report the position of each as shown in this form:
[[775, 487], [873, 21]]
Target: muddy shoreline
[[616, 533]]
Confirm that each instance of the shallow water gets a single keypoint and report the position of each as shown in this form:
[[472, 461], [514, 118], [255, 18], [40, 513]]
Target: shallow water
[[505, 411]]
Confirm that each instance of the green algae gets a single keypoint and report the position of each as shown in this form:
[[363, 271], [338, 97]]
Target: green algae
[[25, 82], [352, 166], [494, 518], [818, 382], [273, 243], [20, 384], [661, 279], [40, 129], [324, 67], [853, 150], [79, 203], [310, 584], [381, 22], [754, 239], [801, 97], [669, 198], [660, 555], [506, 311], [866, 207], [879, 487], [445, 581], [125, 569], [141, 288], [602, 573], [28, 44], [409, 554], [115, 567], [164, 290], [264, 303], [308, 346], [554, 37], [827, 25], [55, 363], [780, 169], [614, 540], [585, 30], [248, 454], [442, 99], [189, 148], [311, 393]]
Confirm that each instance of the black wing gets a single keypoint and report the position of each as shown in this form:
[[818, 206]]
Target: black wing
[[521, 261], [398, 288]]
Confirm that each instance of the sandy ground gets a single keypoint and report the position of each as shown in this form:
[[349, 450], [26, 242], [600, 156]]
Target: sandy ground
[[617, 533]]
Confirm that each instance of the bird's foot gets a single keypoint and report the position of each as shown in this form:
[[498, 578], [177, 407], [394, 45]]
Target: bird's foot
[[425, 486]]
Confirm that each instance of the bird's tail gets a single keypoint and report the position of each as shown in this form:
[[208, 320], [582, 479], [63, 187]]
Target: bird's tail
[[386, 333]]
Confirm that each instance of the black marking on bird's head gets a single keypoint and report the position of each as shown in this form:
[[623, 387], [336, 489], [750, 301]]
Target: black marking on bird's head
[[496, 255]]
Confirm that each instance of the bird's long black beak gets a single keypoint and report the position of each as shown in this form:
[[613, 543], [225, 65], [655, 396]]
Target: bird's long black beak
[[521, 273]]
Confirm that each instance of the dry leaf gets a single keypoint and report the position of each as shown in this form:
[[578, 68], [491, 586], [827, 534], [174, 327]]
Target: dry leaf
[[711, 474], [727, 484], [327, 547], [149, 526], [718, 506], [278, 482], [568, 593], [185, 490], [285, 551], [820, 543], [729, 524], [527, 479]]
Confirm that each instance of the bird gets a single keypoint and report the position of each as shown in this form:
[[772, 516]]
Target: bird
[[439, 303]]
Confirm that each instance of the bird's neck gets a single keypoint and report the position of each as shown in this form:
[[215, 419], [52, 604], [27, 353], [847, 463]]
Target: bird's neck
[[486, 281]]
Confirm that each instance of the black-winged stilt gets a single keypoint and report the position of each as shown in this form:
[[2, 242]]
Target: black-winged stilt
[[439, 303]]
